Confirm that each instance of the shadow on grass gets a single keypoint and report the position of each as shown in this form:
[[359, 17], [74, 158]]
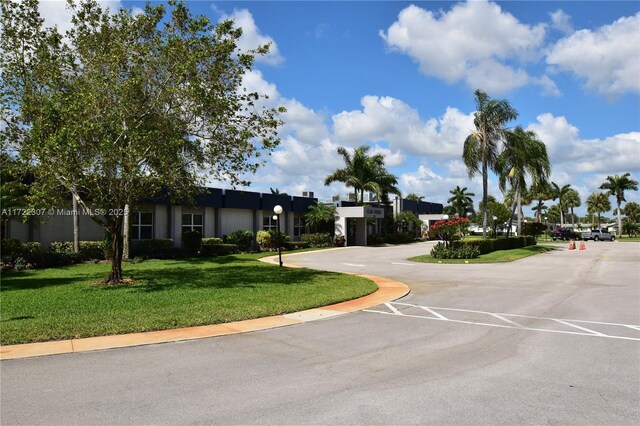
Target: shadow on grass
[[25, 280], [221, 276]]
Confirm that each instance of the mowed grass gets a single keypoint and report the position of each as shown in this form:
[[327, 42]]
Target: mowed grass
[[499, 256], [65, 303]]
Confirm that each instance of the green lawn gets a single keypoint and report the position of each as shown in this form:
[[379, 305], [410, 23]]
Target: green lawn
[[499, 256], [63, 303]]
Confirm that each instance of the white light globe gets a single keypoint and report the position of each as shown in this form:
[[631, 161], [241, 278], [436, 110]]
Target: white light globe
[[277, 209]]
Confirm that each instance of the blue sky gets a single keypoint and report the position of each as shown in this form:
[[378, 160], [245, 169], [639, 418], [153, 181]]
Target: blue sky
[[400, 76]]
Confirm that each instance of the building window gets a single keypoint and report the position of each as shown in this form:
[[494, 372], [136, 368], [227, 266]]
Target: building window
[[298, 226], [141, 226], [192, 222], [269, 224]]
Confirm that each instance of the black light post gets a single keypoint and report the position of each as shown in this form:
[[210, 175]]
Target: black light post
[[495, 227], [278, 211]]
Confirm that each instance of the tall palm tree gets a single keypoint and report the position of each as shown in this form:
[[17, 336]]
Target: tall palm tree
[[572, 200], [524, 156], [559, 193], [539, 209], [480, 151], [461, 201], [414, 197], [319, 214], [598, 203], [540, 192], [616, 185], [364, 173]]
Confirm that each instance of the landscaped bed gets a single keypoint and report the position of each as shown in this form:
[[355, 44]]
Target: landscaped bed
[[67, 302], [498, 256]]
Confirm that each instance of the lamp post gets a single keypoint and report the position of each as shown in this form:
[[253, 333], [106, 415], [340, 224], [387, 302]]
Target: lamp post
[[278, 211], [495, 227]]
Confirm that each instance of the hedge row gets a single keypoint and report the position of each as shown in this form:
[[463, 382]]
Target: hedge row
[[89, 250], [495, 244]]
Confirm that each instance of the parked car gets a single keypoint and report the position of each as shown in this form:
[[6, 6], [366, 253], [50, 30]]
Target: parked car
[[564, 234], [598, 235]]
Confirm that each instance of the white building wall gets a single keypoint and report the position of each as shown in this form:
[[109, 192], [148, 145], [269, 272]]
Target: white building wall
[[209, 222], [89, 230], [176, 225], [160, 222], [235, 219]]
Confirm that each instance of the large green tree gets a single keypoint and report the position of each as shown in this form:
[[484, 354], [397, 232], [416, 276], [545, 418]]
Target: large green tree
[[632, 211], [598, 203], [123, 106], [461, 201], [540, 192], [524, 157], [616, 186], [364, 172], [481, 147]]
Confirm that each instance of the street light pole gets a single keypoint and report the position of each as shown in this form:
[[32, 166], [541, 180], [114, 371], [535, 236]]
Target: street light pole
[[495, 228], [278, 211]]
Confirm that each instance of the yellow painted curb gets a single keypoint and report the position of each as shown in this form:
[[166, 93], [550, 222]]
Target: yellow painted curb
[[388, 290]]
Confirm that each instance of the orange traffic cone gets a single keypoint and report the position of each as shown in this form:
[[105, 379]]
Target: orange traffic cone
[[572, 245], [583, 246]]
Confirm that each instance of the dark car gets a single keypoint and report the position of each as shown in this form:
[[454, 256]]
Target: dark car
[[565, 234]]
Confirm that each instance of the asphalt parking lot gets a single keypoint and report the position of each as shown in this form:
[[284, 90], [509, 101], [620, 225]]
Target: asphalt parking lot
[[553, 338]]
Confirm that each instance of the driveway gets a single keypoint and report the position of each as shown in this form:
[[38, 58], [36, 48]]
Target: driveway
[[553, 338]]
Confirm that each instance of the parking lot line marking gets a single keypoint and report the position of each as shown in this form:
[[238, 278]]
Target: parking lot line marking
[[403, 264], [500, 317], [393, 309], [432, 312], [577, 326], [510, 324], [354, 264]]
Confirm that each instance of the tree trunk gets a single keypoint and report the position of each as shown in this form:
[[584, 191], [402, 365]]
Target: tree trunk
[[485, 190], [573, 225], [619, 222], [115, 234], [127, 238], [561, 216], [513, 210], [519, 203], [76, 225]]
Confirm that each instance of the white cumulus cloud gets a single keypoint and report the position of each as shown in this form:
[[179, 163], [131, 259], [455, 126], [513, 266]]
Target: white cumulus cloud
[[390, 120], [473, 42], [608, 58], [252, 37]]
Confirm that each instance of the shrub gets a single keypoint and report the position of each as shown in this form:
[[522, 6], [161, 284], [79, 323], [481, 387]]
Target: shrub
[[242, 239], [11, 247], [156, 249], [294, 245], [218, 249], [339, 241], [463, 251], [374, 240], [89, 250], [264, 239], [399, 238], [210, 241], [320, 239], [191, 241]]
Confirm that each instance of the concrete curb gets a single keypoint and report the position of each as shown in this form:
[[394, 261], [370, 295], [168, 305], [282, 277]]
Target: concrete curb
[[388, 290]]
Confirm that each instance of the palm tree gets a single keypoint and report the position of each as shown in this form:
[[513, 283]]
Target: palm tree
[[632, 211], [598, 203], [319, 214], [277, 192], [540, 192], [524, 155], [364, 173], [539, 209], [572, 200], [480, 151], [461, 201], [414, 197], [616, 185], [559, 193]]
